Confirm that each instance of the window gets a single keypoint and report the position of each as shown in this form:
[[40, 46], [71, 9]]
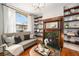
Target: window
[[21, 22]]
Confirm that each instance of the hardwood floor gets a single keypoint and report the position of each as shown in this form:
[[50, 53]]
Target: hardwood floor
[[64, 52], [69, 52], [26, 52], [1, 54]]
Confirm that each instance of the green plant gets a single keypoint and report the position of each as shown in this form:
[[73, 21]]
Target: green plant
[[52, 34]]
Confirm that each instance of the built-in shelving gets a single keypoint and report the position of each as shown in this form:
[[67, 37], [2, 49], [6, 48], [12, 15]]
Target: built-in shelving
[[71, 20], [77, 43], [71, 28], [72, 35], [71, 11], [76, 7], [71, 14], [71, 24], [38, 27]]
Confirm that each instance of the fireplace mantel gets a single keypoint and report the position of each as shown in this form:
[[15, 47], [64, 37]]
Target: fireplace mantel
[[56, 27]]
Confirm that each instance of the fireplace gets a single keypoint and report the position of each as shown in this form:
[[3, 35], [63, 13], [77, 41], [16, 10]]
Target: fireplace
[[53, 32], [53, 39]]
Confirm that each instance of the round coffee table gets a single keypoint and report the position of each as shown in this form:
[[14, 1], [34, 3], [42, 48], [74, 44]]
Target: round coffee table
[[33, 53]]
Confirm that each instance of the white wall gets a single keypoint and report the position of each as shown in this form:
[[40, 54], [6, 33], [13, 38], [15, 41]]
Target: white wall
[[53, 10]]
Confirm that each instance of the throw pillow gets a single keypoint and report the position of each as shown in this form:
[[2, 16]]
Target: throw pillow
[[9, 40], [17, 40], [31, 35], [26, 37]]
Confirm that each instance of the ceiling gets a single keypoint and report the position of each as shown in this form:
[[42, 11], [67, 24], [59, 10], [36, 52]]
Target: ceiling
[[47, 9], [28, 7]]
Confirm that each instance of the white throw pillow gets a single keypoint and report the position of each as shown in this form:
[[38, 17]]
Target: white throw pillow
[[31, 35], [10, 40]]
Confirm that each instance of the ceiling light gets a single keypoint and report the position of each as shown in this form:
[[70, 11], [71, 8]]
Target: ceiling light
[[38, 5]]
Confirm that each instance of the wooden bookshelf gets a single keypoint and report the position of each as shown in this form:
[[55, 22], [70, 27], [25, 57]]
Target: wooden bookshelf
[[72, 28], [77, 43], [37, 23], [71, 35], [72, 20], [38, 17], [75, 26], [71, 13], [75, 7]]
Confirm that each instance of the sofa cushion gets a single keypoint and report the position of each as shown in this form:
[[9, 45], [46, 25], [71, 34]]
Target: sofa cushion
[[26, 37], [27, 42], [19, 34], [9, 40], [17, 39]]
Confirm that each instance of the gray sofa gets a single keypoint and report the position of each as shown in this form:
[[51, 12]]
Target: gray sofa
[[24, 43]]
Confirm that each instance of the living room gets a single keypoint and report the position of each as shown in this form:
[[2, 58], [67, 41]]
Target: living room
[[39, 29]]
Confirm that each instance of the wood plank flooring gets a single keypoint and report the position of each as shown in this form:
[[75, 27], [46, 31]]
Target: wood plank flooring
[[64, 52], [26, 52], [69, 52]]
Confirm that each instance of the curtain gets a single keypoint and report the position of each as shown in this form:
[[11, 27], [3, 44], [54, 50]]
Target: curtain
[[9, 20], [30, 25]]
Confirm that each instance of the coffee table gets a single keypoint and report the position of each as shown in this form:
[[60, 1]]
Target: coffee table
[[34, 53]]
